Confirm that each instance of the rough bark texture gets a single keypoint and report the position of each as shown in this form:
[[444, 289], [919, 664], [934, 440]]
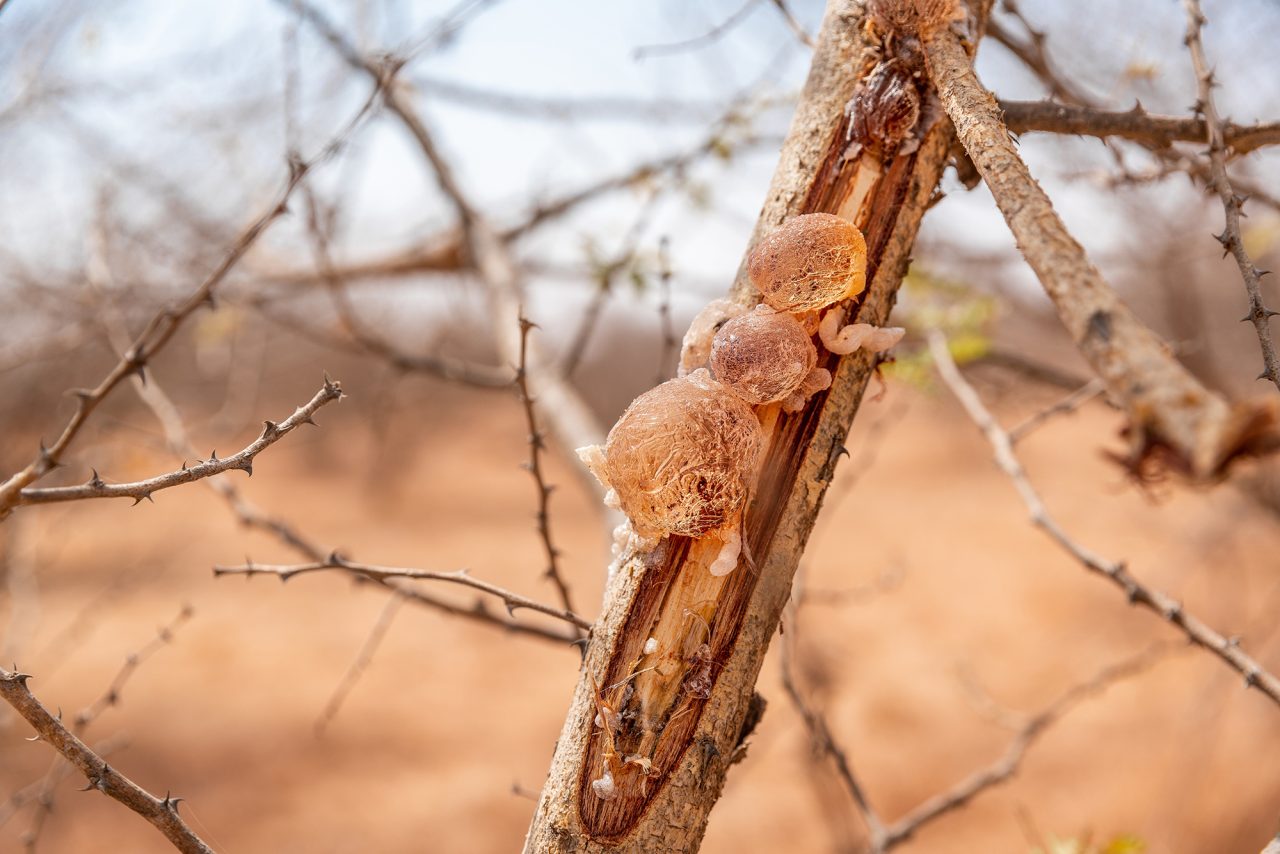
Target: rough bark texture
[[680, 724], [1172, 416]]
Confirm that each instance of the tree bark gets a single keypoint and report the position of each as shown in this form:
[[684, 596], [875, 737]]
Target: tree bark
[[671, 732]]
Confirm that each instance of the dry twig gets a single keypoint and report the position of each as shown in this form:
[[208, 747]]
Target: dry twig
[[1006, 766], [165, 323], [241, 461], [512, 601], [162, 813], [1136, 125], [1159, 603], [1070, 403], [537, 446], [699, 41], [1232, 203], [361, 662], [823, 742]]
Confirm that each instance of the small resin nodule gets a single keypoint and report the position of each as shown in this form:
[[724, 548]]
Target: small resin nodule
[[812, 261], [684, 457]]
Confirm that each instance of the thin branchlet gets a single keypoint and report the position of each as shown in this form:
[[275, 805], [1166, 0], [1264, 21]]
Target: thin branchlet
[[336, 562], [1161, 604], [165, 323], [160, 812], [142, 490], [537, 445], [1232, 203]]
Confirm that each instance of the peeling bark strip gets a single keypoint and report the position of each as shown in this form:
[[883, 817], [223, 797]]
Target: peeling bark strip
[[669, 731], [1174, 421]]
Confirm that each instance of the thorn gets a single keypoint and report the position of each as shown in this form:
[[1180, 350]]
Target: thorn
[[1251, 679], [1224, 238], [170, 802], [1238, 199], [18, 676], [1260, 273], [138, 500], [210, 300], [213, 455], [247, 467], [81, 394], [1265, 375], [335, 559], [307, 419], [269, 428]]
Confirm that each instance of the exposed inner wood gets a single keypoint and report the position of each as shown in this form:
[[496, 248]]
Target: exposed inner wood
[[651, 703]]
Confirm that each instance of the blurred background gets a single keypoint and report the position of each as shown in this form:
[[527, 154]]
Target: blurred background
[[623, 151]]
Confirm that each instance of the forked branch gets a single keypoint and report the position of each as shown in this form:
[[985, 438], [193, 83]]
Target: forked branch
[[1173, 419]]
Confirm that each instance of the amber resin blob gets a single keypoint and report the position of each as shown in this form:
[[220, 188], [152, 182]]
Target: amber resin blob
[[810, 262], [682, 457]]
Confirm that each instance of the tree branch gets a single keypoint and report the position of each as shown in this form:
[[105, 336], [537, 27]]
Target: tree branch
[[513, 601], [536, 447], [1006, 766], [1160, 604], [1136, 125], [1232, 204], [162, 813], [1173, 418], [164, 324], [143, 489]]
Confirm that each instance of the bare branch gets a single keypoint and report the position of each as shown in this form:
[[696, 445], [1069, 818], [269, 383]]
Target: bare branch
[[1070, 403], [1232, 204], [86, 716], [1161, 604], [823, 742], [536, 447], [792, 24], [571, 420], [710, 36], [1033, 55], [241, 461], [1136, 124], [362, 661], [160, 812], [1173, 418], [1006, 766], [513, 601], [163, 325]]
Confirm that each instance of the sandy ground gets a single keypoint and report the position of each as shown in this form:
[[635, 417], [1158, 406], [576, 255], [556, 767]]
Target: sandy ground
[[452, 722]]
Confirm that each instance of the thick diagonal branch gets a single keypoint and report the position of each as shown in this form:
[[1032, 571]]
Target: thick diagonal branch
[[1170, 412]]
